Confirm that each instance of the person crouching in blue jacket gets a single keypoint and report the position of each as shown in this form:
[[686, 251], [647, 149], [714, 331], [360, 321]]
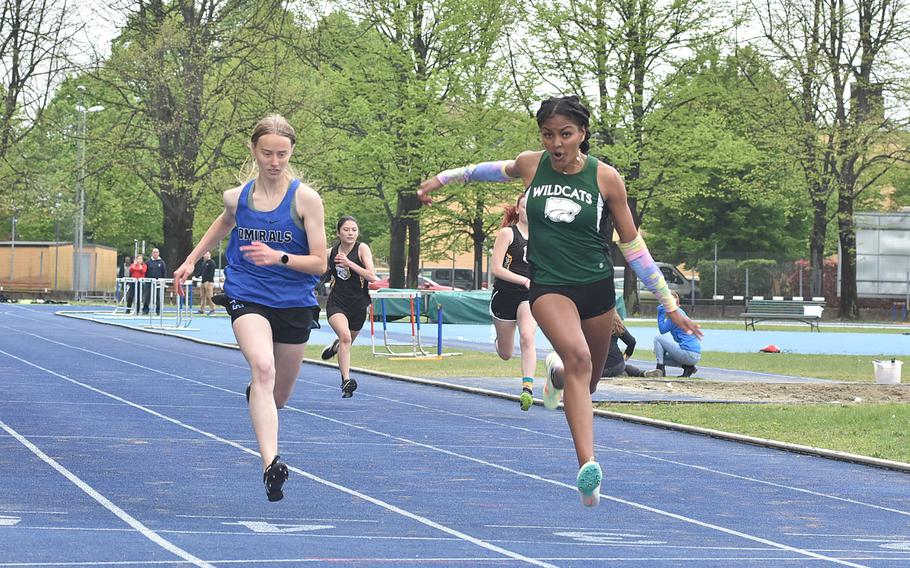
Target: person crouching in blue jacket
[[674, 347]]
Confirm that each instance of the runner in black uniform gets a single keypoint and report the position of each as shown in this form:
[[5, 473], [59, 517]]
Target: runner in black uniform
[[351, 268], [509, 303]]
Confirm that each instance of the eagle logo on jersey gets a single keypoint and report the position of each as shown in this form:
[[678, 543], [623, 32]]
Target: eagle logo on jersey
[[342, 271], [561, 210]]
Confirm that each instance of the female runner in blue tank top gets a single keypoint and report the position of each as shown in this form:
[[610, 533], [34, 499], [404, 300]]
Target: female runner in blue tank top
[[275, 255]]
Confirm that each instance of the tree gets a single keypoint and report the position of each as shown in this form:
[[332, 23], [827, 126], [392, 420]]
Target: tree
[[727, 177], [388, 74], [613, 54], [38, 39], [841, 55], [187, 79]]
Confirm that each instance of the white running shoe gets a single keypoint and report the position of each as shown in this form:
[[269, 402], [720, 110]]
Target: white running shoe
[[551, 394], [588, 482]]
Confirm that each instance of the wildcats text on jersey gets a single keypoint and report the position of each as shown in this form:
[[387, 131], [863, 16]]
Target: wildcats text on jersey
[[551, 190], [264, 235]]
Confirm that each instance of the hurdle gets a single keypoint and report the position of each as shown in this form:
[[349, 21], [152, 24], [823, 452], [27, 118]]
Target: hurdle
[[184, 313], [417, 347], [122, 295]]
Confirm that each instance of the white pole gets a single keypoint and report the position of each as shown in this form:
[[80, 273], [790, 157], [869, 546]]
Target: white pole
[[80, 196], [12, 250], [715, 270]]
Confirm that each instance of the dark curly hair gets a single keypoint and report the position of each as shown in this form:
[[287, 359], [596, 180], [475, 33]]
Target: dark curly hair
[[571, 108]]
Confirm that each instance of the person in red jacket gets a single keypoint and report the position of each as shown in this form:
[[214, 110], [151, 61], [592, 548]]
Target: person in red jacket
[[137, 270]]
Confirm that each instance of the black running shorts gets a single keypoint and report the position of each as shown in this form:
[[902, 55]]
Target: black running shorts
[[504, 303], [591, 300], [289, 325], [356, 316]]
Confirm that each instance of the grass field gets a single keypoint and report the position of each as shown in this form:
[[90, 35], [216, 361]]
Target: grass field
[[877, 430], [478, 364]]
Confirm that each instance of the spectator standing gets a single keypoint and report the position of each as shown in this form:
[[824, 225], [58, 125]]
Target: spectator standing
[[207, 288], [156, 269], [123, 271], [137, 270]]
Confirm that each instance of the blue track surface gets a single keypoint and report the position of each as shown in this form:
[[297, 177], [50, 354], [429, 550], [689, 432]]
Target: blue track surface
[[136, 449], [894, 343]]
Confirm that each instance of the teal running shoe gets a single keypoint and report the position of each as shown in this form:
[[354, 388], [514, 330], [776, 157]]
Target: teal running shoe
[[551, 394], [588, 483], [526, 399]]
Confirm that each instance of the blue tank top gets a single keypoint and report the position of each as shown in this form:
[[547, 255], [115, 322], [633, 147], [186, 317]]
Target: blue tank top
[[274, 286]]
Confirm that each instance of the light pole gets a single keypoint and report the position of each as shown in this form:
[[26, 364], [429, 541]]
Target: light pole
[[12, 249], [56, 238], [78, 275]]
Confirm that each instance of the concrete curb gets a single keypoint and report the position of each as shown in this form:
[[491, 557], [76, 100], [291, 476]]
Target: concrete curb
[[720, 434]]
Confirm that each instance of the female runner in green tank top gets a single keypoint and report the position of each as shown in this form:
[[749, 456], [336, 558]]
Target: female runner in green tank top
[[572, 295]]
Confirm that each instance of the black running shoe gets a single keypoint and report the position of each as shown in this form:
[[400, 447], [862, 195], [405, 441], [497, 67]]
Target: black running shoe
[[274, 477], [348, 387], [248, 387], [330, 351]]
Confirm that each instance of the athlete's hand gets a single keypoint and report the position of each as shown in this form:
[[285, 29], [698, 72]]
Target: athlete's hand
[[343, 260], [261, 254], [685, 324], [423, 192], [181, 275]]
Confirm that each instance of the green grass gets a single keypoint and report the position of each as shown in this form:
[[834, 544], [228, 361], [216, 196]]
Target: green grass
[[478, 364], [835, 367], [469, 364], [878, 430]]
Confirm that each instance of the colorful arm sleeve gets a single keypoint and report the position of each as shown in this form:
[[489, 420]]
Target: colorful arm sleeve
[[484, 171], [638, 257]]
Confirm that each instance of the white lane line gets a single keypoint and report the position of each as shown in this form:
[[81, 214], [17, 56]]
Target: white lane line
[[645, 456], [354, 561], [104, 501], [598, 446], [536, 477], [388, 506]]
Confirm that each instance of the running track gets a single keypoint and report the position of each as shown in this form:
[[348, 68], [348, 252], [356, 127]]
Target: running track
[[122, 448]]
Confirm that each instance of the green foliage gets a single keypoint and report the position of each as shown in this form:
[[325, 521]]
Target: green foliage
[[720, 179]]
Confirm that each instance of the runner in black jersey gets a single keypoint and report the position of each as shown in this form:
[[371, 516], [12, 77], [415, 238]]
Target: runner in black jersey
[[351, 268], [509, 304]]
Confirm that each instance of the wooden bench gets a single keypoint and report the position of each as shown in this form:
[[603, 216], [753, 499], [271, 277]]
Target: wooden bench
[[782, 310]]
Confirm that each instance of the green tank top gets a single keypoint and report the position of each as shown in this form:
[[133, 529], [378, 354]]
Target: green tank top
[[565, 246]]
